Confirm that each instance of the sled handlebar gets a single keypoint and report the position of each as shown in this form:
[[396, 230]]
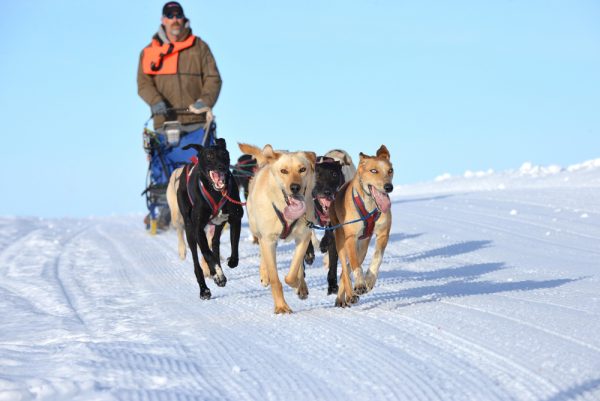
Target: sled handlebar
[[182, 110]]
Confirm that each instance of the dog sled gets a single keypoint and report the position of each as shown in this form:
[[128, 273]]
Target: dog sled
[[164, 149]]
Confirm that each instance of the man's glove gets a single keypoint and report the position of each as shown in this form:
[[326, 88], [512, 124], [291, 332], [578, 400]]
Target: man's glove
[[159, 109], [197, 107]]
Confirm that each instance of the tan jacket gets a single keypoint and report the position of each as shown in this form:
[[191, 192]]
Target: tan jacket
[[197, 78]]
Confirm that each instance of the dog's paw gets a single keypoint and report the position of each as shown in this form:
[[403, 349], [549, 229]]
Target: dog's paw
[[309, 257], [353, 299], [205, 294], [341, 303], [282, 309], [302, 291], [220, 280], [232, 262], [360, 289], [332, 288], [370, 280], [324, 244]]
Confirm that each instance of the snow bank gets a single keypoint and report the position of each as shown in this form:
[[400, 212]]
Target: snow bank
[[584, 174]]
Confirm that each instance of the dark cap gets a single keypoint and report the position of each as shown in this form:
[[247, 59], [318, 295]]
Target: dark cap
[[172, 6]]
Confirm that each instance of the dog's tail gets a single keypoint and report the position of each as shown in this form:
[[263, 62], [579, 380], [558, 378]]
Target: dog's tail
[[193, 146], [263, 155]]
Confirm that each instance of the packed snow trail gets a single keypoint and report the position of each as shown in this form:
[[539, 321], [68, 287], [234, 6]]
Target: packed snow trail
[[486, 295]]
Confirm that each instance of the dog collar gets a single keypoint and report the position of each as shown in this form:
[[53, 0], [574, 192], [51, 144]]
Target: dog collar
[[368, 219]]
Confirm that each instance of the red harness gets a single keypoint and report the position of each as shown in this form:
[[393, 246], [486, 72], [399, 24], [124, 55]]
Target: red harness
[[215, 206], [368, 220]]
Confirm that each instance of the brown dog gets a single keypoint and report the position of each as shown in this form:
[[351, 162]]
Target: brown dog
[[277, 209], [366, 198]]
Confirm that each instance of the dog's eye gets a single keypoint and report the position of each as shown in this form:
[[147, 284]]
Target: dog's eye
[[391, 171], [373, 171], [284, 171], [303, 169]]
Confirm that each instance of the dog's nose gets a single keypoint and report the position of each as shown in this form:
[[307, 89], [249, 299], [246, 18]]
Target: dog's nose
[[388, 187], [327, 192], [295, 188]]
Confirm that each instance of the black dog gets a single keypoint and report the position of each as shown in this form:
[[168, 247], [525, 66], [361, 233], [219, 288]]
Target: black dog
[[243, 170], [208, 193], [328, 180]]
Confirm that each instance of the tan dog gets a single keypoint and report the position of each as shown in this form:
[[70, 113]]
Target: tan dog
[[365, 197], [176, 217], [277, 209]]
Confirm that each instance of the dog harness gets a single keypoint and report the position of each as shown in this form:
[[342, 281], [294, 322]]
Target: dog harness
[[368, 219], [161, 58], [287, 228], [216, 207]]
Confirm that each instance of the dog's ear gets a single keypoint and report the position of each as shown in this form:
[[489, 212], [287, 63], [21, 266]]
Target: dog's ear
[[383, 153], [193, 146], [255, 152], [347, 161], [363, 159], [221, 143], [249, 149], [270, 154], [312, 158]]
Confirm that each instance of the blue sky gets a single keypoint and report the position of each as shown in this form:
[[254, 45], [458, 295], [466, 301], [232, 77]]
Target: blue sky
[[447, 86]]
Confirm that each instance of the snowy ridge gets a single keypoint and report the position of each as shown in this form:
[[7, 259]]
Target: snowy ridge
[[484, 293], [527, 176]]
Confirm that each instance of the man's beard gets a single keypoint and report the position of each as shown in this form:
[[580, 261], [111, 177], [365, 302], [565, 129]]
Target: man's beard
[[176, 30]]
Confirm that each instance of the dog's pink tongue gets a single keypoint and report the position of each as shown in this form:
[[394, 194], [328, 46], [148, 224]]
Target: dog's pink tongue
[[217, 179], [382, 199], [294, 210]]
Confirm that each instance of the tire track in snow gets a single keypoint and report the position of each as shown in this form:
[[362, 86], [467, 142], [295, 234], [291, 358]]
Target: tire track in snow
[[44, 265], [361, 343], [529, 382], [526, 221], [490, 217], [446, 360], [524, 323], [133, 361], [547, 303], [182, 305]]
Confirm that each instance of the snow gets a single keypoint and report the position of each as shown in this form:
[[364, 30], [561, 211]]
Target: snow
[[489, 290]]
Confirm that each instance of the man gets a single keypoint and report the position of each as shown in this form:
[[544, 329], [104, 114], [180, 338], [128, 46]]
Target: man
[[177, 77]]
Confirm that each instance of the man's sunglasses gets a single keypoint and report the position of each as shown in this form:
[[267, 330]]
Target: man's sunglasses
[[175, 15]]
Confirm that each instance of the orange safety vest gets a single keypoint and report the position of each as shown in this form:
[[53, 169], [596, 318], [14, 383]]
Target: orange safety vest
[[162, 59]]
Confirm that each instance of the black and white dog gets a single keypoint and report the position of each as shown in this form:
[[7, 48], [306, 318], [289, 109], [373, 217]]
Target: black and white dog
[[206, 193]]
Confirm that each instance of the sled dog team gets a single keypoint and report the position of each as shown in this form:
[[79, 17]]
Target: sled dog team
[[290, 194]]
